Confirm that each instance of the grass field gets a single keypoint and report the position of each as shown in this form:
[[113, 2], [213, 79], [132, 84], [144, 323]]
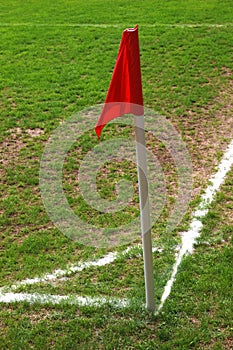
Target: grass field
[[56, 60]]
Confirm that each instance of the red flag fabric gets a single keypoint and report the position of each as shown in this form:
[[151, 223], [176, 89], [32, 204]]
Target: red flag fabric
[[125, 91]]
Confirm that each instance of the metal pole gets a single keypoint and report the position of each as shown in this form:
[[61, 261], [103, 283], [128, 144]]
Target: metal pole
[[144, 211]]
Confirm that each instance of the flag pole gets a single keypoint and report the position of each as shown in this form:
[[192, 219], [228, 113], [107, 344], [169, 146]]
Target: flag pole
[[144, 211]]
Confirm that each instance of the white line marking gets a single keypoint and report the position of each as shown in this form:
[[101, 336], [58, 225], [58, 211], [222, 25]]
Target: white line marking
[[189, 238], [107, 259], [72, 269], [66, 299], [107, 25]]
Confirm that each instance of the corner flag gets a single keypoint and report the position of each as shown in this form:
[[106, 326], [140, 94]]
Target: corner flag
[[125, 96], [125, 90]]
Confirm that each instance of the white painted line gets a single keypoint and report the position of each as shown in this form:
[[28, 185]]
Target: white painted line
[[72, 269], [107, 259], [58, 299], [191, 25], [189, 238], [108, 25]]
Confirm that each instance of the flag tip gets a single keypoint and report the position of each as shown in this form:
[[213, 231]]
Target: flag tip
[[131, 29]]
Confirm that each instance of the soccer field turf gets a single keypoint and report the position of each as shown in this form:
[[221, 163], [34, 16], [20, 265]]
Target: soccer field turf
[[56, 60]]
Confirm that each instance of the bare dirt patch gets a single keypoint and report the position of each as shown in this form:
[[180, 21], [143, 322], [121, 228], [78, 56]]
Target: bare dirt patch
[[13, 143], [207, 133], [35, 132], [10, 148], [41, 315]]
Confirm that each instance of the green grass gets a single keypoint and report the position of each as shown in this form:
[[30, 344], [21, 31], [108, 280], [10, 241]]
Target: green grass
[[53, 65]]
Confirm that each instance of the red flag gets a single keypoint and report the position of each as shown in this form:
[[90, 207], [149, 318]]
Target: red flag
[[125, 90]]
